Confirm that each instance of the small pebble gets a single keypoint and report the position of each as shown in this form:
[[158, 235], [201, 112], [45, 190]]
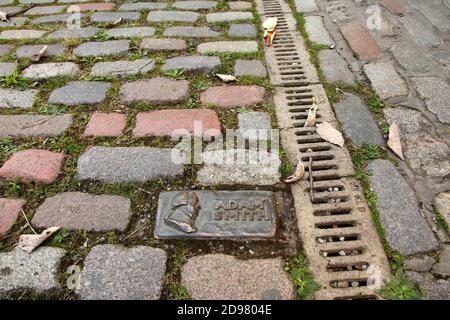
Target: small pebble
[[342, 253], [355, 284]]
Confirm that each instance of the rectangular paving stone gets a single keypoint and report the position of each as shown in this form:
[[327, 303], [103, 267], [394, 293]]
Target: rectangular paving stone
[[80, 92], [228, 46], [224, 277], [131, 32], [163, 44], [86, 32], [36, 11], [194, 5], [317, 32], [127, 164], [83, 211], [113, 272], [72, 1], [21, 34], [394, 6], [12, 98], [421, 31], [242, 30], [335, 67], [33, 165], [27, 51], [156, 90], [6, 2], [57, 18], [7, 68], [216, 215], [385, 80], [306, 5], [165, 122], [233, 96], [254, 125], [240, 5], [11, 9], [23, 126], [105, 125], [105, 48], [360, 40], [9, 212], [37, 271], [36, 1], [192, 64], [136, 6], [114, 16], [123, 67], [5, 49], [51, 69], [411, 58], [13, 22], [100, 6], [435, 11], [436, 95], [228, 16], [250, 68], [175, 16], [190, 32]]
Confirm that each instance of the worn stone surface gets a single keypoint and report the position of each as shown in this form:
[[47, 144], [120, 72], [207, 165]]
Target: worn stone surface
[[21, 34], [176, 16], [442, 268], [194, 5], [122, 164], [192, 64], [142, 6], [231, 167], [436, 94], [228, 46], [21, 126], [419, 264], [357, 121], [426, 153], [335, 67], [254, 125], [106, 48], [83, 211], [360, 40], [156, 90], [163, 44], [190, 32], [421, 31], [113, 272], [165, 122], [80, 92], [242, 30], [410, 57], [37, 271], [56, 18], [240, 5], [216, 215], [394, 6], [233, 96], [82, 7], [436, 289], [27, 51], [51, 69], [9, 212], [228, 16], [36, 1], [385, 80], [12, 98], [105, 125], [114, 16], [317, 32], [405, 228], [442, 204], [6, 2], [435, 12], [223, 277], [33, 165], [86, 32], [131, 32], [45, 10], [250, 68], [5, 49], [123, 67], [306, 5], [13, 22], [7, 68]]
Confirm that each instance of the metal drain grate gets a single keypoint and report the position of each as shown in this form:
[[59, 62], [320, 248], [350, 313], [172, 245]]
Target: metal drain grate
[[335, 225]]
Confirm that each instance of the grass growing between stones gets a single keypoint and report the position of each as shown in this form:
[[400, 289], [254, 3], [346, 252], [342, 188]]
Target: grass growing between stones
[[440, 220], [302, 278], [401, 288]]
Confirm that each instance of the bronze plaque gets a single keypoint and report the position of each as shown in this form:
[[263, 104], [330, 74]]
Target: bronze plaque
[[208, 214]]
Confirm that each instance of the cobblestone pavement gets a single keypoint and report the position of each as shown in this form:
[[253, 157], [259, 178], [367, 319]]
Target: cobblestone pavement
[[85, 143]]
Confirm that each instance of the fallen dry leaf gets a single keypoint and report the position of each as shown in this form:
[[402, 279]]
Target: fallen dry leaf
[[311, 120], [3, 16], [29, 242], [37, 56], [269, 30], [330, 134], [270, 23], [117, 21], [394, 142], [299, 171], [226, 77]]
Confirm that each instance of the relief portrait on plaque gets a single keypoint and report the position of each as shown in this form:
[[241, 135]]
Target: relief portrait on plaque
[[185, 207]]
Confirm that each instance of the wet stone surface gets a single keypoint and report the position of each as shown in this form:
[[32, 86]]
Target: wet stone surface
[[216, 215]]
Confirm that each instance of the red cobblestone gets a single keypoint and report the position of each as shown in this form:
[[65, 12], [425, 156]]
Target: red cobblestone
[[233, 96], [92, 7], [164, 122], [105, 125], [9, 211], [40, 166], [394, 7], [361, 41]]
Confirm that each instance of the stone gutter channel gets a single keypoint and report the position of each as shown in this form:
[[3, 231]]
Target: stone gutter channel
[[336, 228]]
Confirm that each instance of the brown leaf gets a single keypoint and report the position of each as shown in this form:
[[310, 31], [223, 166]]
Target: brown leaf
[[37, 56], [29, 242], [330, 134], [311, 120], [226, 77], [299, 171], [394, 142]]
